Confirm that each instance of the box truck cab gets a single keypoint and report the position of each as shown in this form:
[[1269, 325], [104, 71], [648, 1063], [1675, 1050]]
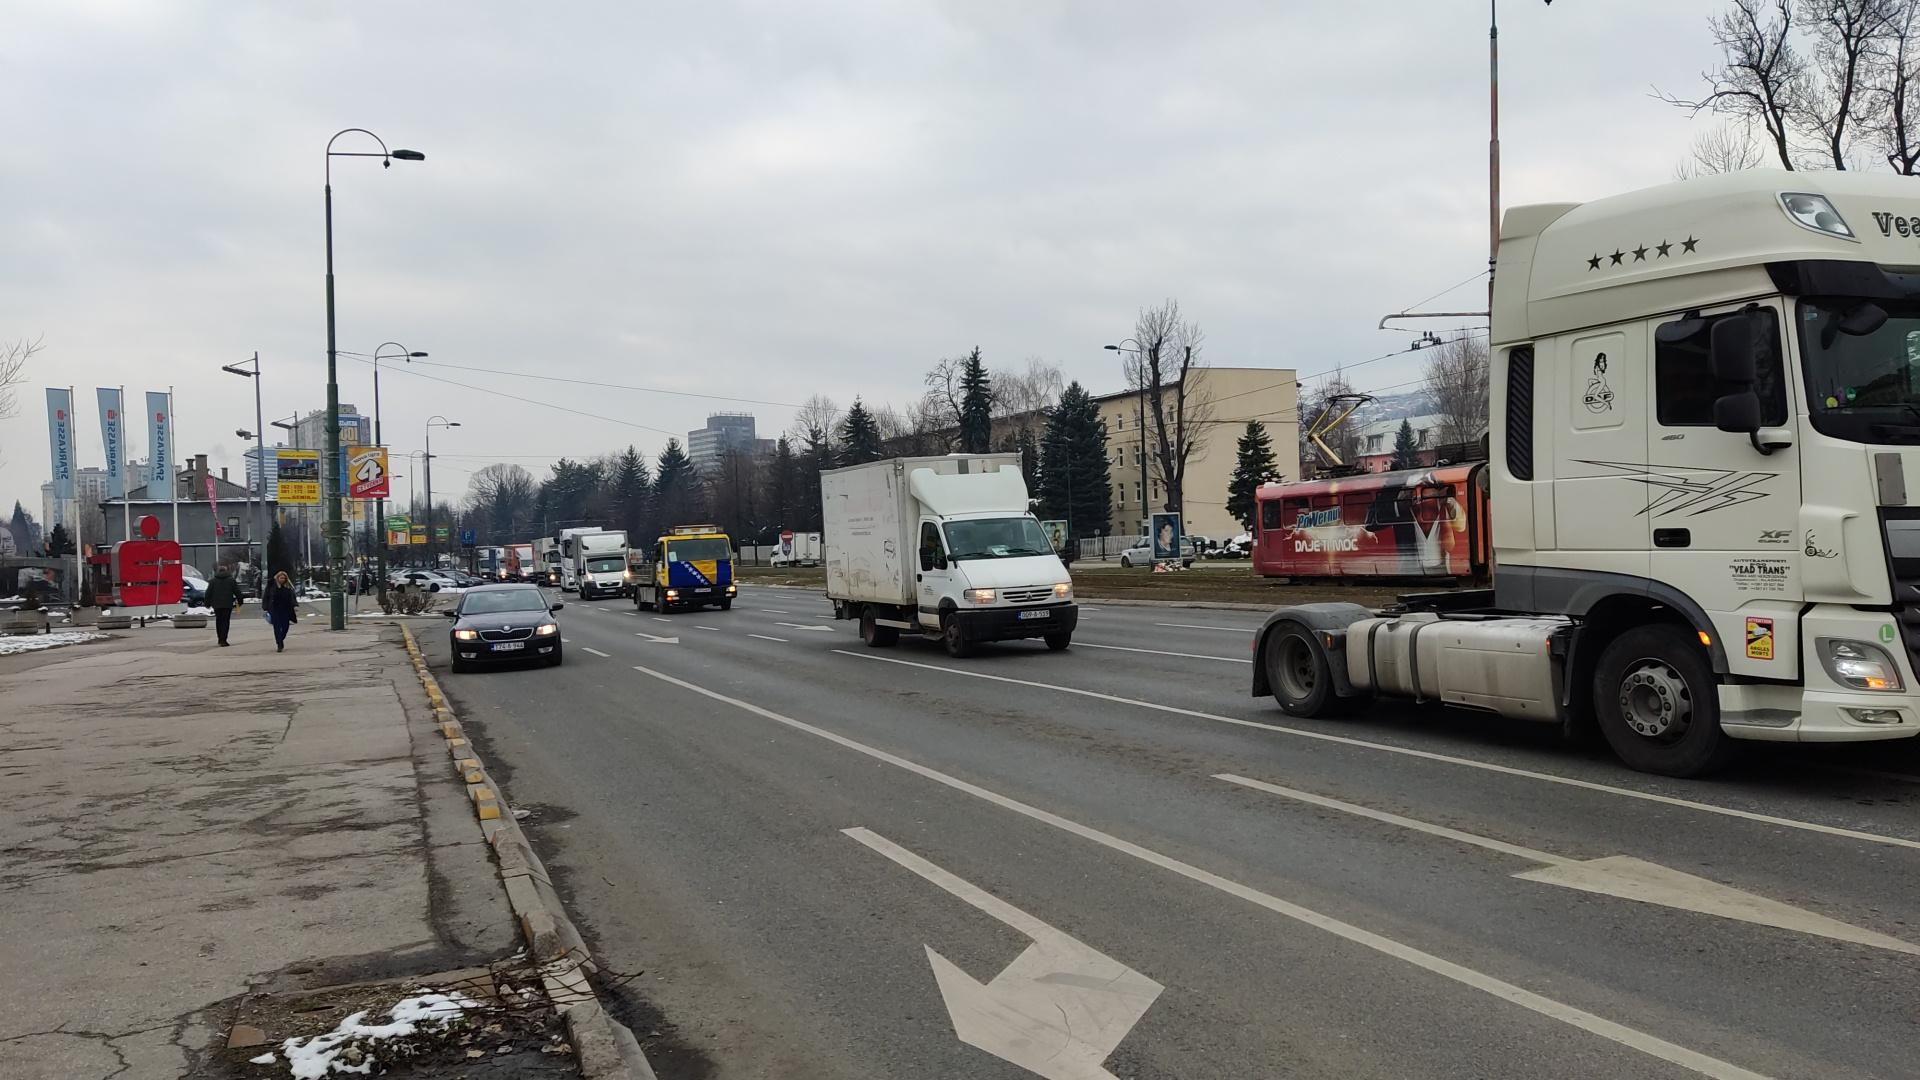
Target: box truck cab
[[599, 561], [1705, 404], [944, 547]]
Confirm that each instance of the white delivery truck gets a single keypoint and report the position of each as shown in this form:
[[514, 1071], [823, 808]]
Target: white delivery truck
[[1704, 400], [546, 555], [599, 562], [797, 549], [942, 546]]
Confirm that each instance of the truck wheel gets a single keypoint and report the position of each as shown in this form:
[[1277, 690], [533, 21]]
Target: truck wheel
[[875, 635], [1059, 642], [727, 604], [1657, 703], [958, 646], [1302, 677]]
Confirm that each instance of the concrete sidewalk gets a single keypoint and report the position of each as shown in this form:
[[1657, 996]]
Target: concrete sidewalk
[[187, 824]]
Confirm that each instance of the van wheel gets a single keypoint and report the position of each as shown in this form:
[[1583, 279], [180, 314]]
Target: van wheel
[[875, 635], [958, 645], [1059, 642], [1658, 705], [1301, 676]]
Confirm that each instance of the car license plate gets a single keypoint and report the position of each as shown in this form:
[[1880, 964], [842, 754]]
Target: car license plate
[[509, 646], [1041, 614]]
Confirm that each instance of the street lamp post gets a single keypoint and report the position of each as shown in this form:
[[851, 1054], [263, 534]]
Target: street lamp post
[[259, 435], [433, 422], [336, 527], [291, 425], [380, 509], [1141, 398]]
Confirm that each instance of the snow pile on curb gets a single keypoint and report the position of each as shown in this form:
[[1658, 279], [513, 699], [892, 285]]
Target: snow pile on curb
[[37, 642], [354, 1040]]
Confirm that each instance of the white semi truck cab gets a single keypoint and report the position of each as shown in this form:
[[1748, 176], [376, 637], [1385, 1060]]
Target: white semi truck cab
[[1705, 399]]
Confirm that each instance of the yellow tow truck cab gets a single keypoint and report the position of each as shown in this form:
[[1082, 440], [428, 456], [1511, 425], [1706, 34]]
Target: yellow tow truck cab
[[689, 567]]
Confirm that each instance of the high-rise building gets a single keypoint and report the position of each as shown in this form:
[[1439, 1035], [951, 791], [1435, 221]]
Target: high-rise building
[[90, 490], [706, 446], [272, 470]]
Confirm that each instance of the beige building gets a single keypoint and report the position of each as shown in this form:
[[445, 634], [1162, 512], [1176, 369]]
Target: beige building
[[1228, 397]]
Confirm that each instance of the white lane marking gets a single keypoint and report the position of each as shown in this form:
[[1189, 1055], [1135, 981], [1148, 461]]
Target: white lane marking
[[776, 611], [658, 640], [810, 616], [1197, 626], [658, 618], [764, 637], [174, 644], [1427, 755], [635, 614], [594, 651], [1466, 976], [1163, 652], [807, 626], [715, 629], [566, 641], [1057, 1011], [1619, 875]]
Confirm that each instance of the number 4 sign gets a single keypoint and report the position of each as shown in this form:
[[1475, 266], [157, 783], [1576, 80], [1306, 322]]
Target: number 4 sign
[[367, 472]]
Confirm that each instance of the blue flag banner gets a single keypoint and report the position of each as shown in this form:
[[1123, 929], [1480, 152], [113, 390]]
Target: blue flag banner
[[113, 434], [160, 440], [60, 441]]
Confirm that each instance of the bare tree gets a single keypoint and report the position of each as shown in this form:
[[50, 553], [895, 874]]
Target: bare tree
[[1026, 394], [501, 497], [941, 402], [13, 371], [1166, 370], [1456, 381], [1895, 85], [1724, 148], [1847, 36], [818, 413], [1761, 76]]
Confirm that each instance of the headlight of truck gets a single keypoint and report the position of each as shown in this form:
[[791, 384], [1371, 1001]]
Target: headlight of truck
[[1063, 590], [979, 596], [466, 635], [732, 589], [1861, 665]]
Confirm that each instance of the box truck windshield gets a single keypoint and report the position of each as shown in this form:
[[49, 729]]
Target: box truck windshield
[[607, 564], [996, 538]]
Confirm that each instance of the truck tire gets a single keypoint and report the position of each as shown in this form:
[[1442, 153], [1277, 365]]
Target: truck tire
[[875, 635], [1059, 642], [1301, 675], [1657, 703], [959, 646], [727, 604]]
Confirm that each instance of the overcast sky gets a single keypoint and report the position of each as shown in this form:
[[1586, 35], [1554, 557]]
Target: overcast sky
[[764, 200]]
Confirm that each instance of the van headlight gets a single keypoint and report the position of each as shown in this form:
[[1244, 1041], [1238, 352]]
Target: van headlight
[[1063, 590], [1860, 665], [979, 596]]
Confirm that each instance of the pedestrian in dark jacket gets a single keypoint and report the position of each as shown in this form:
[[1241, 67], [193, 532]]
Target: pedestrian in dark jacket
[[282, 610], [223, 595]]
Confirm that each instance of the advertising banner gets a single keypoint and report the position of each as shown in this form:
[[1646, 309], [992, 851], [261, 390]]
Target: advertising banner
[[60, 441], [1056, 534], [1166, 537], [1420, 523], [367, 472], [113, 435], [440, 533], [160, 441], [299, 476], [397, 537], [416, 534]]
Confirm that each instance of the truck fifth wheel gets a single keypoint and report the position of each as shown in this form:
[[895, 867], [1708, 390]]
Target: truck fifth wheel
[[1704, 399]]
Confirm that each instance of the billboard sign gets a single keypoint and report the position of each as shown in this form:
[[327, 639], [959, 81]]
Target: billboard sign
[[1166, 537], [160, 439], [367, 475], [416, 534], [1056, 534], [299, 472]]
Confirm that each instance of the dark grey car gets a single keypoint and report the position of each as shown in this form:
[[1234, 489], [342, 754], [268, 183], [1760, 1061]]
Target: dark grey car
[[500, 623]]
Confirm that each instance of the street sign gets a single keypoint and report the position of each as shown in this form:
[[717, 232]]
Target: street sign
[[397, 522], [299, 476], [440, 533], [467, 537], [367, 472], [416, 534]]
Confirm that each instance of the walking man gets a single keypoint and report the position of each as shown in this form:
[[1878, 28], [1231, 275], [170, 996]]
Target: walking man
[[223, 595]]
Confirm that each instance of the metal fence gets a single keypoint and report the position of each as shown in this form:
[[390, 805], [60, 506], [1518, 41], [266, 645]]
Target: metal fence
[[1105, 547]]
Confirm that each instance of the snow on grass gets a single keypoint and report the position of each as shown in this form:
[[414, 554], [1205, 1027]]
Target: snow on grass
[[9, 645], [319, 1055]]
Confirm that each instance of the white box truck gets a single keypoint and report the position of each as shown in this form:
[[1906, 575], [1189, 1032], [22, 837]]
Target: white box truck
[[1704, 401], [945, 547], [599, 562], [797, 549]]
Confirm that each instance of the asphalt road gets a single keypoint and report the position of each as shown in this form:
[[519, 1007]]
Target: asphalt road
[[694, 799]]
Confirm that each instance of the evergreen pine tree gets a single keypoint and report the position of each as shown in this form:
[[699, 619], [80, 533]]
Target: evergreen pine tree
[[59, 542], [1074, 483], [818, 458], [1028, 448], [859, 436], [632, 492], [277, 559], [782, 497], [976, 406], [1405, 454], [674, 495], [1253, 466]]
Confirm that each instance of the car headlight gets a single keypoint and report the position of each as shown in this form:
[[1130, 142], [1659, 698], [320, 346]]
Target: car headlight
[[466, 635], [1861, 665], [548, 629], [979, 596], [1063, 590]]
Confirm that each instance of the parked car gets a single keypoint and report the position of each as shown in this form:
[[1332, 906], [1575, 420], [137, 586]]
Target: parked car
[[1141, 553], [495, 623], [430, 580], [193, 590]]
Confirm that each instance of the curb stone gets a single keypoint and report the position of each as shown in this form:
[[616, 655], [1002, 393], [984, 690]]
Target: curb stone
[[604, 1048]]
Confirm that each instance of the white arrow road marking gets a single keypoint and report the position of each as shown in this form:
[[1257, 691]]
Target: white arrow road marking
[[594, 651], [807, 626], [764, 637], [1057, 1011], [1620, 875], [1613, 1031], [1408, 751], [1163, 652], [659, 640]]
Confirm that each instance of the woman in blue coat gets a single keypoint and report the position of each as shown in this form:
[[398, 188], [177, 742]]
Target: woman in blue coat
[[281, 609]]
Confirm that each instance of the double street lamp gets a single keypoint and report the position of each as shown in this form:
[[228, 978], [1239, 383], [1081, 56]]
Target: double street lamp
[[258, 435], [336, 527], [433, 422], [1140, 389], [380, 509]]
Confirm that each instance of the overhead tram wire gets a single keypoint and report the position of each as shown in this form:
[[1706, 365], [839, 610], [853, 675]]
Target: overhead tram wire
[[528, 400], [588, 382]]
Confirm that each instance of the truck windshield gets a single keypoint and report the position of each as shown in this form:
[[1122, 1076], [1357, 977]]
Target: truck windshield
[[607, 564], [996, 538], [1862, 387], [712, 549]]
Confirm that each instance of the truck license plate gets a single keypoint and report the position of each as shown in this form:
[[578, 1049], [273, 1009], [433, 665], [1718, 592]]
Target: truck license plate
[[1042, 614], [509, 646], [702, 590]]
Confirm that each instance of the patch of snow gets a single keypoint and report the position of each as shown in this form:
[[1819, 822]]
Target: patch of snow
[[13, 599], [316, 1057], [195, 611], [264, 1059], [9, 645]]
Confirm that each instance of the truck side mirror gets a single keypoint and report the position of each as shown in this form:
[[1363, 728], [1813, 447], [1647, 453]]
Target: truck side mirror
[[1738, 412], [1731, 352]]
